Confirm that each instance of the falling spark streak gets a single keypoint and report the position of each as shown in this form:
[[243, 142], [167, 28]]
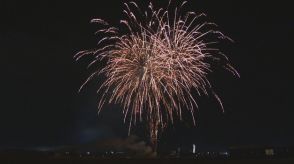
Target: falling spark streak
[[152, 68]]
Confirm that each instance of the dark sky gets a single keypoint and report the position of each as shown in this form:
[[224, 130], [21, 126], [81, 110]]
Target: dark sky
[[40, 105]]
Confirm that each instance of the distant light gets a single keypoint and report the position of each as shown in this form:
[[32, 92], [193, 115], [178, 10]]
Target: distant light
[[269, 152], [224, 153], [88, 153], [194, 148]]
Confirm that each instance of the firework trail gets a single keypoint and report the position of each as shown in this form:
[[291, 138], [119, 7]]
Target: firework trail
[[153, 68]]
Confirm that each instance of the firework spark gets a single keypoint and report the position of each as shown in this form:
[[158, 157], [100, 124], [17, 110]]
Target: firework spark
[[153, 67]]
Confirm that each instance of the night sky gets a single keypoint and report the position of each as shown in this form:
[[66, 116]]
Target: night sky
[[40, 104]]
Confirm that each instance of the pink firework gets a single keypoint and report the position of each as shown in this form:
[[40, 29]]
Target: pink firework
[[153, 67]]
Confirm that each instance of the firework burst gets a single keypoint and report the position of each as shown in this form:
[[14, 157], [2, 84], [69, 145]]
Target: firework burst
[[153, 67]]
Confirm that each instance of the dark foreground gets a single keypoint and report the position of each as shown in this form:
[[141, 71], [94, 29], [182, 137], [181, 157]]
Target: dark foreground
[[144, 161]]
